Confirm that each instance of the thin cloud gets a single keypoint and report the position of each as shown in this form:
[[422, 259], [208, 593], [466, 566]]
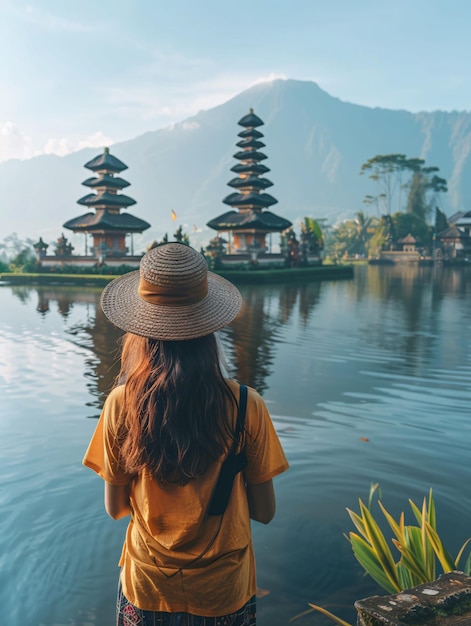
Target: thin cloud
[[269, 78], [14, 142], [62, 146], [50, 22], [190, 125], [183, 100]]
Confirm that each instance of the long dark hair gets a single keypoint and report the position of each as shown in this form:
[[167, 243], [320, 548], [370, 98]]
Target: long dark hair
[[178, 408]]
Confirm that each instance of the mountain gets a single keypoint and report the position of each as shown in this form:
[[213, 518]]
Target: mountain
[[315, 145]]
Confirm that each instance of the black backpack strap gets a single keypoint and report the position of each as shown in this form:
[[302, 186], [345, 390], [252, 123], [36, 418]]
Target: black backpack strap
[[233, 463], [241, 413]]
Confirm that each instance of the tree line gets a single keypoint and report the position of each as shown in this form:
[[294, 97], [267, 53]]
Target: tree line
[[406, 200]]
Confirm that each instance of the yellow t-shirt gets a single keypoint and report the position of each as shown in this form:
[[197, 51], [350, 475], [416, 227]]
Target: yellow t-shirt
[[169, 526]]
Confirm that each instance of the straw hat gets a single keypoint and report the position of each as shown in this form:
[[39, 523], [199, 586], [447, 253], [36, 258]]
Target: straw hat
[[172, 296]]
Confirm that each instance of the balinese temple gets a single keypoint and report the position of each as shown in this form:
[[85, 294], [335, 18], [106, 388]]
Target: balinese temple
[[249, 222], [107, 225], [455, 241]]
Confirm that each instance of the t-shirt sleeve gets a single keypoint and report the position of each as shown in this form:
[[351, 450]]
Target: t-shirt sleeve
[[102, 455], [265, 456]]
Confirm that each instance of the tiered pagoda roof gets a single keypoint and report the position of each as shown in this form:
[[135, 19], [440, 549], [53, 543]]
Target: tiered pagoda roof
[[106, 162], [107, 201], [250, 201], [465, 219], [452, 232]]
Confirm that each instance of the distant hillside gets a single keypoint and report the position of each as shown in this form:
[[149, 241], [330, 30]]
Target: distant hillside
[[315, 145]]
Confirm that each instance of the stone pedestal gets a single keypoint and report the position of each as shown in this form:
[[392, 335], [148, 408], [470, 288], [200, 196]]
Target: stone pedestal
[[443, 602]]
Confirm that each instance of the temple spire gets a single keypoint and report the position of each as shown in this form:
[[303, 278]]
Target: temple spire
[[107, 225], [249, 221]]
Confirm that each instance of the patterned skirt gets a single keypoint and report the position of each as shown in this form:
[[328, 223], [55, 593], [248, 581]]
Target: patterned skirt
[[129, 615]]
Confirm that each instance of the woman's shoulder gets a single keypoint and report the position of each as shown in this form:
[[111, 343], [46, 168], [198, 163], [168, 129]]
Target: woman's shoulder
[[116, 395], [114, 403], [253, 396]]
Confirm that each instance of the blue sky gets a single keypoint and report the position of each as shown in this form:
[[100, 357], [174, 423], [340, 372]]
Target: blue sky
[[83, 73]]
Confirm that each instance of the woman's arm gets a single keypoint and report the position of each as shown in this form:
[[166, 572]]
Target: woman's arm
[[262, 501], [117, 503]]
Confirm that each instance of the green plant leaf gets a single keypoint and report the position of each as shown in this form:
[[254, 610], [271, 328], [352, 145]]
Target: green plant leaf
[[423, 532], [408, 562], [373, 488], [406, 579], [396, 527], [303, 614], [427, 560], [416, 512], [357, 521], [467, 565], [368, 559], [333, 617], [379, 545], [414, 547], [432, 516], [442, 553], [461, 551]]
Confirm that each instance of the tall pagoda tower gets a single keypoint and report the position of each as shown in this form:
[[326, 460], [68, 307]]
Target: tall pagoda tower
[[249, 222], [107, 225]]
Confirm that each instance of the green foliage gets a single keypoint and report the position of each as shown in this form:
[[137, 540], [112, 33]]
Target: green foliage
[[405, 223], [23, 261], [420, 547], [352, 237], [384, 236], [181, 236], [416, 201], [312, 241], [69, 270], [312, 226], [420, 553], [441, 222], [393, 175], [386, 171]]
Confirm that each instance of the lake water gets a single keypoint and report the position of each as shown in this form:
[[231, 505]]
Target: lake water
[[368, 380]]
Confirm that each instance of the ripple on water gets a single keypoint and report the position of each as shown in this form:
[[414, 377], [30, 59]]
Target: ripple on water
[[368, 398]]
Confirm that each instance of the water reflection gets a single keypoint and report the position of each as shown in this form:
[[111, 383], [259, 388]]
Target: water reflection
[[92, 331], [366, 380], [404, 307], [252, 338], [249, 343], [400, 308], [103, 367]]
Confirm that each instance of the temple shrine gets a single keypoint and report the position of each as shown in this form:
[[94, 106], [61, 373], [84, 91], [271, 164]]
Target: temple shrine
[[106, 224], [249, 222]]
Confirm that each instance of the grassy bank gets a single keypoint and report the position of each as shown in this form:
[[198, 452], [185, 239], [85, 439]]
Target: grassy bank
[[88, 280], [295, 274], [259, 276]]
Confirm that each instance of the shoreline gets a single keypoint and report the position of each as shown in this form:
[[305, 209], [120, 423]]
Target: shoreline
[[298, 274]]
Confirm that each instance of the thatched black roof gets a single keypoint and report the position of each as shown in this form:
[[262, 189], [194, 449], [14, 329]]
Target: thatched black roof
[[252, 181], [250, 143], [250, 132], [250, 155], [249, 220], [250, 168], [107, 200], [105, 180], [260, 200], [124, 222], [106, 161], [250, 120]]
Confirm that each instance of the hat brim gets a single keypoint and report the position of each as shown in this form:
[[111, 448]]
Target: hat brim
[[125, 309]]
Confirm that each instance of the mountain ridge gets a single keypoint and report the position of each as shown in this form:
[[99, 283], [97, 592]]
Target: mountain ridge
[[315, 143]]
